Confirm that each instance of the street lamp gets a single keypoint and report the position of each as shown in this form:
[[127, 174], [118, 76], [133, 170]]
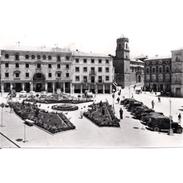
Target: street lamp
[[24, 139], [2, 107], [170, 130]]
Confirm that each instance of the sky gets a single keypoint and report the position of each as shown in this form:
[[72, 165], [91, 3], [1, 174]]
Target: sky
[[154, 27]]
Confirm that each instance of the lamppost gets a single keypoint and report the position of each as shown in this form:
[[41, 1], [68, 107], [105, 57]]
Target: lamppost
[[2, 107], [170, 130], [24, 139]]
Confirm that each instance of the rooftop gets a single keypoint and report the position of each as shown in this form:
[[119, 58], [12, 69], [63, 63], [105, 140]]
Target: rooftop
[[84, 54]]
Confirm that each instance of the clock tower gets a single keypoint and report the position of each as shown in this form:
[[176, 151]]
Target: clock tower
[[121, 62]]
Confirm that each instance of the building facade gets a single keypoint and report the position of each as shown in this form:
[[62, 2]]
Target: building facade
[[177, 73], [127, 71], [137, 72], [92, 72], [55, 70], [121, 62], [157, 74]]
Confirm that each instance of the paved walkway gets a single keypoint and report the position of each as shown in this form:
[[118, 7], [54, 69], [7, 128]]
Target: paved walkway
[[131, 133]]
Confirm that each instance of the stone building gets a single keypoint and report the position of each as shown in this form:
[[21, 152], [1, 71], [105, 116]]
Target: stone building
[[36, 70], [127, 71], [55, 70], [177, 73], [157, 74], [93, 72], [137, 72]]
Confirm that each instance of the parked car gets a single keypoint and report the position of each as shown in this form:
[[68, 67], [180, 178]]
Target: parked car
[[143, 112], [133, 105], [162, 123], [145, 117], [127, 101]]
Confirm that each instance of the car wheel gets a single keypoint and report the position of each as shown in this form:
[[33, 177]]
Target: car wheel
[[156, 129], [179, 130]]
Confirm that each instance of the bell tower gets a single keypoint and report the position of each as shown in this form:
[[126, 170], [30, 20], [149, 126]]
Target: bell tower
[[121, 62]]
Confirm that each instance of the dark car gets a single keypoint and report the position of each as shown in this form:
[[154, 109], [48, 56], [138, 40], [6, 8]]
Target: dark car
[[127, 101], [162, 123], [142, 112], [133, 105], [146, 116]]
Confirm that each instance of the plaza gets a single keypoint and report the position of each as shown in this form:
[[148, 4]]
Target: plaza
[[87, 135]]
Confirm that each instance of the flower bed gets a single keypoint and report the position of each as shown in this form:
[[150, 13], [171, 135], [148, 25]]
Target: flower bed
[[51, 122], [102, 115], [65, 107]]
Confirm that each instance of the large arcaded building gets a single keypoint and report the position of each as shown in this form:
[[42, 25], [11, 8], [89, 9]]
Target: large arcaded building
[[55, 70]]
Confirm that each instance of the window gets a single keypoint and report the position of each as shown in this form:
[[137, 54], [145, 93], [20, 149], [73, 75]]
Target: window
[[38, 57], [26, 56], [147, 70], [17, 65], [26, 74], [17, 75], [49, 75], [6, 65], [77, 78], [84, 69], [167, 69], [7, 75], [76, 69], [77, 60], [100, 69], [49, 57], [67, 66], [58, 66], [160, 70], [16, 56], [27, 65], [49, 66], [58, 75], [38, 66], [107, 78], [92, 61], [85, 61], [153, 70], [99, 61], [67, 75], [107, 69], [92, 69], [58, 58], [32, 57], [107, 61], [67, 57], [44, 57], [6, 56], [84, 79], [100, 79]]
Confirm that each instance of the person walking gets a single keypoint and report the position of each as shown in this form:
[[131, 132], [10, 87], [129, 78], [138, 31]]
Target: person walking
[[121, 113], [81, 113], [179, 118], [152, 103], [159, 99], [118, 99]]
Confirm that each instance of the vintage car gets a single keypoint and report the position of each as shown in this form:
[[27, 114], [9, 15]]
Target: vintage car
[[142, 112], [163, 123], [133, 105], [145, 117]]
